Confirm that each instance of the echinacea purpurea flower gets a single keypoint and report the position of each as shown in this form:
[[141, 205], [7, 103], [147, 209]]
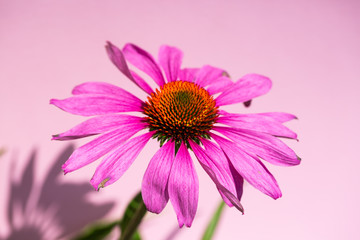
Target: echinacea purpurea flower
[[183, 113]]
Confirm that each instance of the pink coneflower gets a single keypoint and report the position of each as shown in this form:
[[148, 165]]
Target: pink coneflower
[[183, 114]]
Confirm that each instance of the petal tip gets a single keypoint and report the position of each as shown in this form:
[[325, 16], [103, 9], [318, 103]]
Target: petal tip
[[53, 101], [188, 225], [94, 184], [65, 168], [55, 137], [241, 209], [277, 195], [180, 222], [102, 184], [65, 171]]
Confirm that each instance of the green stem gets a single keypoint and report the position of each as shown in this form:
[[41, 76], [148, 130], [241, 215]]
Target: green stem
[[134, 222], [209, 232]]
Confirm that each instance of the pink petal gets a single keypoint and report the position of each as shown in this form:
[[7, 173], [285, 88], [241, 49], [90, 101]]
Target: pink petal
[[279, 116], [114, 165], [245, 89], [117, 58], [90, 105], [250, 168], [265, 146], [257, 122], [222, 162], [208, 75], [183, 187], [103, 88], [154, 185], [143, 61], [188, 74], [139, 79], [220, 85], [97, 125], [239, 182], [170, 59], [275, 116], [217, 172], [101, 145]]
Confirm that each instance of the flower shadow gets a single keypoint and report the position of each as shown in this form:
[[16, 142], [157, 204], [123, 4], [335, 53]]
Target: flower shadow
[[50, 209]]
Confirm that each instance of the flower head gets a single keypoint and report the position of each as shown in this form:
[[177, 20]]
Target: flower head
[[181, 111], [184, 114]]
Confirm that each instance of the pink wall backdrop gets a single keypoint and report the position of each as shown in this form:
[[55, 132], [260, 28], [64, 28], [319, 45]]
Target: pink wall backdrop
[[310, 49]]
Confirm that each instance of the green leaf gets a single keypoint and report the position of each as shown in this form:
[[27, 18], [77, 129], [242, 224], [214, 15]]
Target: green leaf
[[97, 231], [136, 236], [131, 220], [209, 232]]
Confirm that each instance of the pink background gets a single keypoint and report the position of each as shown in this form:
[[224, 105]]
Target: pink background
[[310, 49]]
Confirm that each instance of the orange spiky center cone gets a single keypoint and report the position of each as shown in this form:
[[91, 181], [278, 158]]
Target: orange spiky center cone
[[180, 111]]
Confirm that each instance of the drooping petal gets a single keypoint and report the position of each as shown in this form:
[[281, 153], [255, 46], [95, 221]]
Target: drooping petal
[[257, 122], [170, 59], [154, 185], [222, 179], [103, 88], [101, 145], [207, 75], [97, 125], [188, 74], [143, 61], [114, 165], [245, 89], [219, 176], [94, 104], [220, 85], [239, 182], [183, 187], [117, 58], [250, 168], [222, 162], [265, 146]]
